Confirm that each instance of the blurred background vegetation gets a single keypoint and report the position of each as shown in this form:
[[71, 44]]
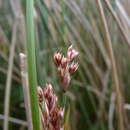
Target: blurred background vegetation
[[96, 102]]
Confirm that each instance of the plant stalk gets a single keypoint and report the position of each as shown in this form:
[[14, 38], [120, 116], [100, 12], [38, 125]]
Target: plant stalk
[[31, 64], [114, 68]]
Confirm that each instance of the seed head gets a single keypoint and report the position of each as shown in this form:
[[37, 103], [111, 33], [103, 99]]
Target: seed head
[[57, 58], [66, 66], [50, 97], [64, 62], [56, 117], [73, 67], [52, 115], [72, 53]]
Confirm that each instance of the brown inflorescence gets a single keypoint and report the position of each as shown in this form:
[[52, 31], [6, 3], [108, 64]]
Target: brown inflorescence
[[51, 113], [66, 66]]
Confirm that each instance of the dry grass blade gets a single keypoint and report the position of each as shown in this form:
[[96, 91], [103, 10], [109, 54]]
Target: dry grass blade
[[9, 77], [118, 22], [18, 13], [119, 97], [14, 77], [26, 89], [14, 120], [111, 112], [123, 12]]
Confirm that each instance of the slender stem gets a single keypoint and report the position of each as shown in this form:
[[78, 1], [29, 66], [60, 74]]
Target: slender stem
[[24, 76], [114, 69], [64, 99], [111, 112], [118, 22], [9, 77], [31, 60]]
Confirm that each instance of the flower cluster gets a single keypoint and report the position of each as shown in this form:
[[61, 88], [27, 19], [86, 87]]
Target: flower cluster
[[66, 66], [51, 114]]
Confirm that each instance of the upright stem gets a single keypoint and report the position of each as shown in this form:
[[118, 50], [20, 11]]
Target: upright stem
[[114, 69], [24, 76], [31, 60], [9, 77]]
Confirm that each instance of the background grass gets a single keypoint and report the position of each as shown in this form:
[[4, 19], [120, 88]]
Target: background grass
[[58, 24]]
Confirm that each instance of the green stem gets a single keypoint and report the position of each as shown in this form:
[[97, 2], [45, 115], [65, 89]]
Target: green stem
[[31, 57], [64, 100]]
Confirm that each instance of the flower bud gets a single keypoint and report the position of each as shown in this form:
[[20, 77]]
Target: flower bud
[[40, 94], [56, 117], [53, 103], [50, 97], [73, 67], [72, 53], [61, 112], [57, 58], [64, 62]]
